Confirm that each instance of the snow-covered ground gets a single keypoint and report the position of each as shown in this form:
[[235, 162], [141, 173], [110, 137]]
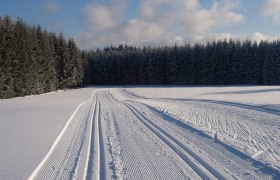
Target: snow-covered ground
[[143, 133], [29, 126], [245, 117]]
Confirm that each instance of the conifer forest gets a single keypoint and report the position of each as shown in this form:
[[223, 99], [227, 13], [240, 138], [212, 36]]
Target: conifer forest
[[35, 61]]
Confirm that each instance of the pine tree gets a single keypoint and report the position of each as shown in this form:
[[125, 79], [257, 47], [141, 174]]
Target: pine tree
[[74, 66], [62, 56], [6, 53], [21, 59], [48, 51]]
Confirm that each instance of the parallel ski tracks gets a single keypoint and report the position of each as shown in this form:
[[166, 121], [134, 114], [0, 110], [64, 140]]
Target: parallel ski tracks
[[245, 169], [81, 152], [204, 170], [143, 156], [62, 160], [96, 168]]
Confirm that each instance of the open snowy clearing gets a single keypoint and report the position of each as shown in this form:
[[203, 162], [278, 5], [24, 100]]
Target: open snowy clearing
[[150, 133]]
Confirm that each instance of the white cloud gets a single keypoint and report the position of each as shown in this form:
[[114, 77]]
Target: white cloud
[[272, 9], [257, 36], [189, 16], [133, 32], [159, 22], [51, 7], [208, 37], [136, 30], [99, 17]]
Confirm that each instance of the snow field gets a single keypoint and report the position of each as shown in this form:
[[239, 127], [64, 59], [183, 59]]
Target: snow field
[[29, 127], [252, 128], [152, 133]]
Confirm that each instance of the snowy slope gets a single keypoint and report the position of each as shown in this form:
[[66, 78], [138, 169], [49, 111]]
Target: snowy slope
[[153, 133]]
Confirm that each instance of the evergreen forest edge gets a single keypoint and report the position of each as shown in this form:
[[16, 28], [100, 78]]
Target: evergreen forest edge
[[35, 61]]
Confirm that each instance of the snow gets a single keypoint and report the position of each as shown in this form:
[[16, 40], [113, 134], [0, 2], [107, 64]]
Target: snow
[[143, 133], [260, 95], [247, 118], [29, 127]]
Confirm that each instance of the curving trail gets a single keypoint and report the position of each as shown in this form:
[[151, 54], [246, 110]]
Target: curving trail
[[115, 135]]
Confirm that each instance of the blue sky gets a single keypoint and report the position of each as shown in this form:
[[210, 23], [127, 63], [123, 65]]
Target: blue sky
[[97, 23]]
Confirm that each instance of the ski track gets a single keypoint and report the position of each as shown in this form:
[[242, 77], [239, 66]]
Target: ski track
[[251, 129], [142, 156], [119, 135]]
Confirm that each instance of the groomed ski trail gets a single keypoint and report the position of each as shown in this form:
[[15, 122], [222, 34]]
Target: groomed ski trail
[[109, 137]]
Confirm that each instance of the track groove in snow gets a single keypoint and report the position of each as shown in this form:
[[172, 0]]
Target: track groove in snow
[[248, 128], [94, 152], [61, 161], [143, 157], [234, 162], [203, 169], [102, 165], [119, 135]]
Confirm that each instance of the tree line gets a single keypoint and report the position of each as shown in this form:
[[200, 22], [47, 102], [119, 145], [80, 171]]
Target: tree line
[[222, 62], [35, 61]]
